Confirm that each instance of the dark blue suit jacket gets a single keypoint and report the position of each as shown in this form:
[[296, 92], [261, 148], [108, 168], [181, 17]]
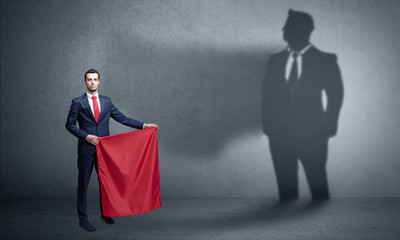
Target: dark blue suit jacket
[[80, 111]]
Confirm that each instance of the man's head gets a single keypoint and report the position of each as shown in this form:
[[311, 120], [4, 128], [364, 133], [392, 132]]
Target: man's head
[[92, 80], [297, 29]]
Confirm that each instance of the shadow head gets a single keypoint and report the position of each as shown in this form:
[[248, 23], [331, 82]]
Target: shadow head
[[297, 29]]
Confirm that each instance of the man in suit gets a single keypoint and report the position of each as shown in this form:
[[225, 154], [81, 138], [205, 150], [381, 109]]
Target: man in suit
[[295, 119], [93, 111]]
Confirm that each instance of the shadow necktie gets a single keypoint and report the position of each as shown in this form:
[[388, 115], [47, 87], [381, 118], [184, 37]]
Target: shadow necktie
[[293, 77]]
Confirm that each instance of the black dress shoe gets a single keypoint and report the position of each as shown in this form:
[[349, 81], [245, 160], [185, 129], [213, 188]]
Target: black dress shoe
[[87, 226], [108, 220]]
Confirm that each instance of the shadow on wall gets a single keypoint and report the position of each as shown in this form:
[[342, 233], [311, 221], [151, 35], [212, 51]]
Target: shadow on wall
[[201, 96], [204, 95], [294, 118]]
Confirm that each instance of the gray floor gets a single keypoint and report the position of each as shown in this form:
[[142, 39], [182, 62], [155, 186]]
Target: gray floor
[[208, 218]]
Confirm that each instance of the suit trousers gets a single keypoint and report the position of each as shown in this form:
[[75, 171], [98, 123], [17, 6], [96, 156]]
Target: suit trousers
[[312, 151], [86, 163]]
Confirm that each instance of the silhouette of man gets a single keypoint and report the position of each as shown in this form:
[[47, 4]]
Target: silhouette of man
[[294, 118]]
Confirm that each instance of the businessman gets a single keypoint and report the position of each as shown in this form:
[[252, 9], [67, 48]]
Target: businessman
[[93, 111], [295, 119]]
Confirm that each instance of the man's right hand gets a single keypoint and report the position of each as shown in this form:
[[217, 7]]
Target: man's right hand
[[92, 139]]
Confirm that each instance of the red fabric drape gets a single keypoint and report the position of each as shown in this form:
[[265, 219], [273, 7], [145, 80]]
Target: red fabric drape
[[129, 173]]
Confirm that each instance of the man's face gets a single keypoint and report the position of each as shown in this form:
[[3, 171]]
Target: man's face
[[92, 81]]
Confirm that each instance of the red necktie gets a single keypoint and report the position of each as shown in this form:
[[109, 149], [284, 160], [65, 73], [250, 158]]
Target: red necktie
[[96, 109]]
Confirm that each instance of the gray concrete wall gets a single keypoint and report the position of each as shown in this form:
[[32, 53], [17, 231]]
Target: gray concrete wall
[[195, 68]]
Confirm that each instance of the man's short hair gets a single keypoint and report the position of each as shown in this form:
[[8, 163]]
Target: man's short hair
[[300, 20], [92, 71]]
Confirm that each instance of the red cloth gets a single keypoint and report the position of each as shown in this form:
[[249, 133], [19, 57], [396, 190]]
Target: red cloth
[[129, 173]]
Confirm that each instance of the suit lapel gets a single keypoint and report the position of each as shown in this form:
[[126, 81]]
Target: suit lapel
[[282, 60], [87, 106], [102, 104], [307, 62]]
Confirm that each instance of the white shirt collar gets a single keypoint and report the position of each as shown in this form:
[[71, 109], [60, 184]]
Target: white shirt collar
[[302, 51], [89, 95]]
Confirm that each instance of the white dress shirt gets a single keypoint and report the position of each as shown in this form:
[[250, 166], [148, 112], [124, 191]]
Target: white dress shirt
[[290, 60], [89, 96]]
